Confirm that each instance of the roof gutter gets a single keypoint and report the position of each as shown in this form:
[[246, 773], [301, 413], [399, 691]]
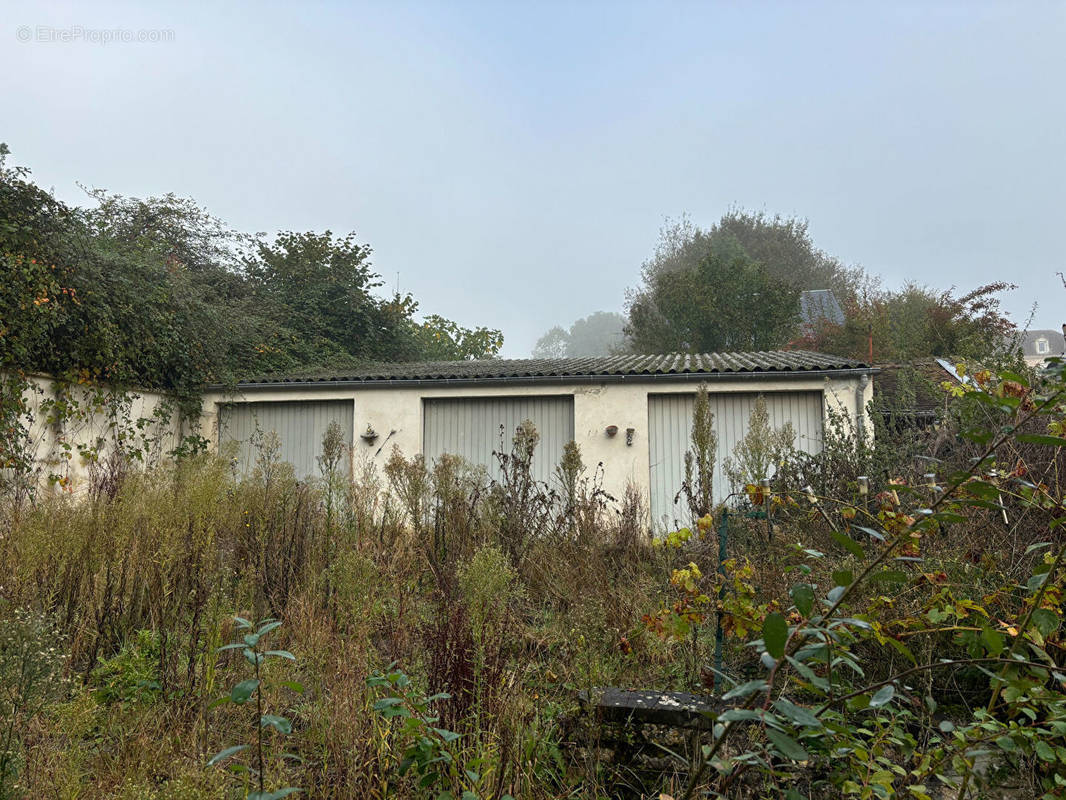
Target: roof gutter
[[531, 380]]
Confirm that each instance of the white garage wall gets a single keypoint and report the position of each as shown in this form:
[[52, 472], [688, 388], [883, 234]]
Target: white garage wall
[[669, 434], [475, 427], [396, 413], [299, 426]]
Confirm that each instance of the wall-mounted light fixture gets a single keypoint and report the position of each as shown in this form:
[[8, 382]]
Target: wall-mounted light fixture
[[612, 430], [370, 435], [629, 436]]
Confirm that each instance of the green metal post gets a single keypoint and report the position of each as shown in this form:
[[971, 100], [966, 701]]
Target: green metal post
[[719, 634], [765, 484]]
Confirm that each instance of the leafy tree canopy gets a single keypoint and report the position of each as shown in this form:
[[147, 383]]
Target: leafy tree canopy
[[441, 339], [161, 294], [702, 292], [784, 246], [735, 286]]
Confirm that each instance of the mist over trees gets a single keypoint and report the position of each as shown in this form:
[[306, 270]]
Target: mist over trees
[[598, 334], [159, 293], [785, 247]]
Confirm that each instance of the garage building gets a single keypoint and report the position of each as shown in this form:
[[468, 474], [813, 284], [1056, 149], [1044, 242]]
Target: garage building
[[632, 413]]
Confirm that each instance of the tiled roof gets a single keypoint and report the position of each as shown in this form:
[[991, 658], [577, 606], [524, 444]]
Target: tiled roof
[[1055, 340], [914, 387], [677, 364], [817, 305]]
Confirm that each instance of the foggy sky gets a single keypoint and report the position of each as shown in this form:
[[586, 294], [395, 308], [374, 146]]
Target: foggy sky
[[514, 162]]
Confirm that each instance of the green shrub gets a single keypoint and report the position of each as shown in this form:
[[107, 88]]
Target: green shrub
[[358, 593], [489, 587], [132, 674]]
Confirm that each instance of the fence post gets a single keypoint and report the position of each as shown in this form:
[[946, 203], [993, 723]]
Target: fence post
[[723, 536], [765, 484]]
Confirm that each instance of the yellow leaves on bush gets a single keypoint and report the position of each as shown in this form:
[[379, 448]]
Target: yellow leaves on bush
[[687, 578], [954, 389], [756, 494], [675, 539], [687, 610]]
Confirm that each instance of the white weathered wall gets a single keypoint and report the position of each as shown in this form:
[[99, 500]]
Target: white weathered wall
[[396, 413], [91, 425]]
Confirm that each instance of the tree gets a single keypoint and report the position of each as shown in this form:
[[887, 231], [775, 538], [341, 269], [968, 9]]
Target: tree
[[703, 295], [552, 344], [599, 334], [322, 288], [160, 294], [755, 262], [34, 289], [79, 296], [185, 232], [165, 292], [440, 339], [785, 247]]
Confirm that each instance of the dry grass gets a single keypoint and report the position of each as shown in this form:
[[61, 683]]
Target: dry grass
[[178, 551], [423, 577]]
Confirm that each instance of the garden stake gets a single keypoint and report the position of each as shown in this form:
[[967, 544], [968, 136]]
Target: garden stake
[[723, 536]]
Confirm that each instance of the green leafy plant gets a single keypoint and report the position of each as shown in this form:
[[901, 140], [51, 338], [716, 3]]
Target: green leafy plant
[[428, 751], [132, 674], [19, 467], [250, 645], [825, 712]]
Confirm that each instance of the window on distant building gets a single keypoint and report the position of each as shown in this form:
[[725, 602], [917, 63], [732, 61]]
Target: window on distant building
[[1042, 346]]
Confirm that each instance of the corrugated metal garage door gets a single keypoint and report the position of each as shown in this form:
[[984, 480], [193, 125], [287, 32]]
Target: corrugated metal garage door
[[470, 427], [670, 428], [299, 425]]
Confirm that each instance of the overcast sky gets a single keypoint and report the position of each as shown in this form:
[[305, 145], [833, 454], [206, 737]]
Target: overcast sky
[[513, 162]]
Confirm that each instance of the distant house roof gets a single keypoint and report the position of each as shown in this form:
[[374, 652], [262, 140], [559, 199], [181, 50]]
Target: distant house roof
[[819, 305], [678, 366], [1056, 343]]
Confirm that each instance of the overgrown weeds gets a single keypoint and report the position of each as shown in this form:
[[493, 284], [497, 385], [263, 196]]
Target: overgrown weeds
[[510, 596]]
